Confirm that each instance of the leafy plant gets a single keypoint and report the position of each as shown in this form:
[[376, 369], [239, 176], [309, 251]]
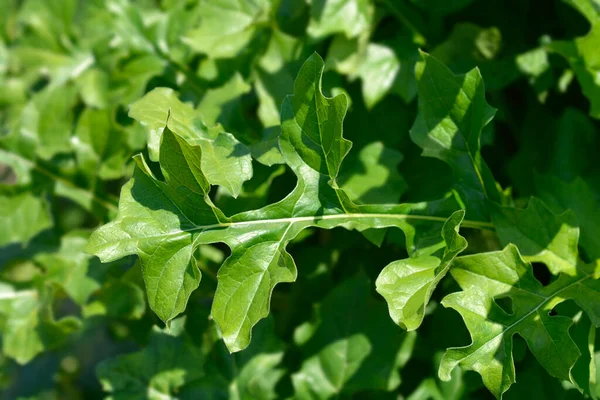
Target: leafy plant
[[165, 166]]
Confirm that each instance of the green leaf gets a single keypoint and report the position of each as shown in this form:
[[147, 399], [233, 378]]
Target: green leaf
[[215, 103], [251, 374], [259, 367], [582, 54], [407, 285], [156, 215], [48, 117], [535, 65], [452, 114], [383, 69], [49, 20], [164, 221], [353, 347], [378, 72], [574, 145], [17, 151], [275, 75], [442, 6], [540, 234], [312, 123], [77, 272], [487, 277], [578, 197], [129, 28], [223, 159], [93, 88], [227, 26], [374, 177], [158, 371], [332, 16], [468, 46], [254, 194], [22, 217], [29, 326], [120, 299], [129, 83], [99, 147], [583, 333], [267, 151]]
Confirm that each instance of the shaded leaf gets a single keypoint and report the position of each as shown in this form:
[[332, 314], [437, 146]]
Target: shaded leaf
[[353, 346], [73, 269], [251, 374], [98, 146], [120, 299], [582, 54], [156, 372], [22, 217], [374, 177], [540, 234], [29, 327], [452, 114], [578, 197]]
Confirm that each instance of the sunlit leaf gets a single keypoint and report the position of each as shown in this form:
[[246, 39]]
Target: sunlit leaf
[[487, 277]]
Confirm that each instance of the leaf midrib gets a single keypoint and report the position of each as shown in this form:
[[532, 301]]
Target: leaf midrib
[[349, 217]]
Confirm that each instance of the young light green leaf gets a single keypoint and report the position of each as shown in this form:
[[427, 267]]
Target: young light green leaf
[[452, 114], [407, 285], [487, 277], [226, 26], [22, 217], [353, 347], [382, 68], [540, 234], [223, 159], [378, 72], [332, 16]]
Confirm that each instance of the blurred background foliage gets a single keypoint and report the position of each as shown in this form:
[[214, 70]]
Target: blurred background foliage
[[73, 328]]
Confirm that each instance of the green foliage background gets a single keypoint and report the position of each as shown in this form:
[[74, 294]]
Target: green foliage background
[[424, 171]]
